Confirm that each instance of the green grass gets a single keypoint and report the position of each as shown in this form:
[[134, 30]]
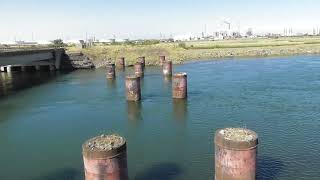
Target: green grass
[[182, 51]]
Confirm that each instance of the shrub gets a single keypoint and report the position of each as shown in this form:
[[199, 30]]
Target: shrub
[[150, 42], [182, 45], [58, 43]]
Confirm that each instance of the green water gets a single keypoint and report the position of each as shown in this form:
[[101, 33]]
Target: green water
[[44, 119]]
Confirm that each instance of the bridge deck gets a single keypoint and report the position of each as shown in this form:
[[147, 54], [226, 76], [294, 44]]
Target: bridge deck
[[30, 57]]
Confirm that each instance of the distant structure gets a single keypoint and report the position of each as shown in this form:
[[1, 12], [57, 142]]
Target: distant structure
[[228, 31], [288, 32], [82, 44], [316, 31], [184, 37], [249, 32], [7, 45]]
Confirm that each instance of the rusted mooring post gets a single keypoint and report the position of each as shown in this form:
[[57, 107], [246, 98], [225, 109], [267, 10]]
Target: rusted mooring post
[[167, 68], [179, 86], [142, 60], [138, 69], [111, 73], [235, 154], [133, 89], [105, 158], [162, 60], [120, 63]]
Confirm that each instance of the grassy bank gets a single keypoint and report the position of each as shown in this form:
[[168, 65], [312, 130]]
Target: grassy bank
[[184, 51]]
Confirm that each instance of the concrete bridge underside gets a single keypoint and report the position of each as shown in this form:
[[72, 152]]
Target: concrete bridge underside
[[49, 59]]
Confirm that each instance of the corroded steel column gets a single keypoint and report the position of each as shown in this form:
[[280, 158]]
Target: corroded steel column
[[179, 86], [105, 158], [111, 73], [120, 63], [133, 90], [235, 154], [138, 69], [167, 68], [162, 60], [142, 60]]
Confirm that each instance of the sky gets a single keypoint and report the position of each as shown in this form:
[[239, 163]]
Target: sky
[[76, 19]]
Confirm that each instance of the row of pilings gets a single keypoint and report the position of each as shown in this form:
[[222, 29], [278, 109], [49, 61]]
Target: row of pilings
[[133, 89], [105, 156]]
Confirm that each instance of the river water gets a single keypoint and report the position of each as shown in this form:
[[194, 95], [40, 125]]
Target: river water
[[45, 117]]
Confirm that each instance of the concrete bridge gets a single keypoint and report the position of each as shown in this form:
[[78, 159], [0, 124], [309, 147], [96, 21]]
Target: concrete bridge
[[25, 60]]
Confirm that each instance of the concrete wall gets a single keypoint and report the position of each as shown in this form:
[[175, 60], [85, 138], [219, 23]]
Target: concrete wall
[[34, 57], [25, 59]]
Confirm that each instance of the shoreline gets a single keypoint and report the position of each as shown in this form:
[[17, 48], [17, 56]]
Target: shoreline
[[101, 63], [183, 52], [245, 57]]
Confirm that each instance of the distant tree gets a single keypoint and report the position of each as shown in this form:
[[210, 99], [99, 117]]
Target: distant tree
[[131, 43], [150, 42], [58, 43], [115, 43], [170, 40], [182, 45]]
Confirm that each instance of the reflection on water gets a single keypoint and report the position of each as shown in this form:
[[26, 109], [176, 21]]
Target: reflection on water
[[120, 70], [165, 171], [142, 82], [167, 80], [66, 173], [15, 81], [134, 111], [112, 83], [180, 109]]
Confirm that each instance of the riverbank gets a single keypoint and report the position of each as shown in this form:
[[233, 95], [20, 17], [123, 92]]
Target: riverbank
[[180, 52]]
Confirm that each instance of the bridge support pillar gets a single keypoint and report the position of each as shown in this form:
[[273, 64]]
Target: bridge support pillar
[[162, 60], [58, 55], [52, 67], [105, 157], [111, 74], [120, 63], [235, 154], [133, 89], [23, 68], [37, 67], [138, 68], [167, 68], [179, 86], [9, 68], [142, 60], [2, 68]]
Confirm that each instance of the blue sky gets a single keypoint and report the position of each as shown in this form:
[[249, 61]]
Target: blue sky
[[69, 19]]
